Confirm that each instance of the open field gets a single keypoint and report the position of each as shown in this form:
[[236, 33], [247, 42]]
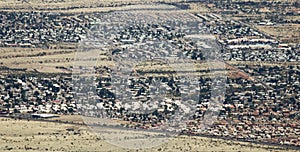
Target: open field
[[51, 61], [42, 60], [65, 4], [285, 33], [77, 6], [21, 135]]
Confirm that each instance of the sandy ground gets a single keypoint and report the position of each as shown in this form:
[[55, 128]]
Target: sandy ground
[[22, 135]]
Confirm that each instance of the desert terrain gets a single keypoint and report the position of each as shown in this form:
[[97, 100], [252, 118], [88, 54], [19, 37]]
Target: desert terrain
[[30, 135]]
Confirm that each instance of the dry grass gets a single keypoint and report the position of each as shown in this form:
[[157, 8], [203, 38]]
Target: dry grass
[[43, 60], [69, 5], [285, 33], [47, 60], [21, 135], [87, 6]]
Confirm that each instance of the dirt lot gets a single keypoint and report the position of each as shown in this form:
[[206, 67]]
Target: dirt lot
[[21, 135]]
